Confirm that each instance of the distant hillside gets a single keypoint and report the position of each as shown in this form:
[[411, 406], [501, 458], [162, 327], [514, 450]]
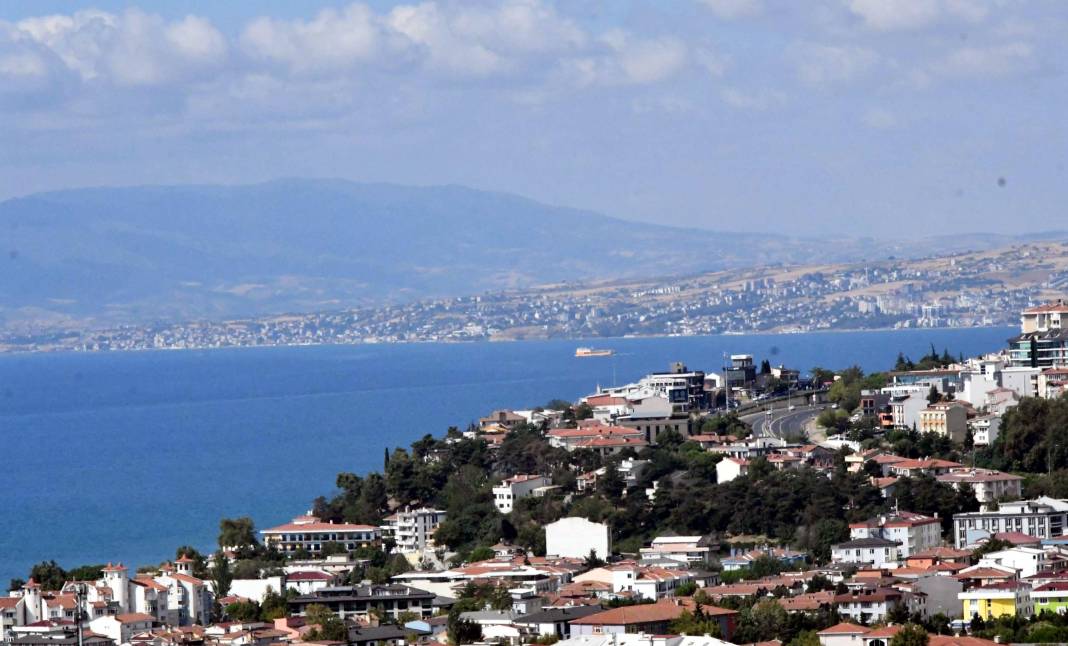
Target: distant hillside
[[114, 255]]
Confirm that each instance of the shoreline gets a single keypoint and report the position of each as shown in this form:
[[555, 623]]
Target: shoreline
[[12, 352]]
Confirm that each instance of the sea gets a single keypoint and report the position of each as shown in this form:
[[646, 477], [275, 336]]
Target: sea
[[126, 456]]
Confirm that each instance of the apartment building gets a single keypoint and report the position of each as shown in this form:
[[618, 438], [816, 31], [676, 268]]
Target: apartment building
[[1043, 338], [989, 485], [516, 488], [1008, 599], [945, 418], [1042, 518], [912, 532], [358, 601], [308, 533], [412, 529]]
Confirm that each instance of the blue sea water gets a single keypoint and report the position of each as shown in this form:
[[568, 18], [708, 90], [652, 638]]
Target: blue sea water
[[126, 456]]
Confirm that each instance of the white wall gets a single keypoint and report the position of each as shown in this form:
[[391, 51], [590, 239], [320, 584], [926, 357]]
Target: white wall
[[574, 537]]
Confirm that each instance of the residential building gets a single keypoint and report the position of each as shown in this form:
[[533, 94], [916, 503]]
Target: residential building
[[577, 537], [1026, 561], [12, 613], [985, 429], [1051, 597], [1042, 518], [730, 468], [412, 530], [843, 634], [309, 534], [683, 389], [120, 628], [691, 550], [1008, 599], [989, 486], [358, 601], [874, 551], [873, 402], [652, 583], [1043, 338], [905, 410], [1052, 383], [572, 438], [929, 466], [505, 419], [868, 605], [652, 618], [945, 418], [553, 622], [912, 532], [515, 488]]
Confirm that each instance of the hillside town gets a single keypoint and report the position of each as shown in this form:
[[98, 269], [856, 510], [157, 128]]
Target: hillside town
[[963, 290], [750, 505]]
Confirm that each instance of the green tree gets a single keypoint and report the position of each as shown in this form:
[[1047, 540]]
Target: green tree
[[243, 611], [237, 532], [220, 573], [805, 638], [273, 606], [462, 631], [15, 584], [86, 573], [910, 635], [328, 626], [49, 575]]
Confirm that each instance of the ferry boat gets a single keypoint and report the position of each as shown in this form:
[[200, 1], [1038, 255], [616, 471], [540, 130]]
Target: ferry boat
[[593, 352]]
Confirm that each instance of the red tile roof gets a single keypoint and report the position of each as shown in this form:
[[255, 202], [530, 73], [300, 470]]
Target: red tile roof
[[844, 628]]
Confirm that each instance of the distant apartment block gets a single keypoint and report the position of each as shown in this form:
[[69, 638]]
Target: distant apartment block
[[412, 529], [945, 418], [310, 534], [1042, 518], [516, 488], [1043, 338]]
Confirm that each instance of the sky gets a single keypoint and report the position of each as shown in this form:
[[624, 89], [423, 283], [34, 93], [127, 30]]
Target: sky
[[889, 118]]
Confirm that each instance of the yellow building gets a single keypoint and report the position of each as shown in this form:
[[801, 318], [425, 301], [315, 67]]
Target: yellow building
[[997, 600]]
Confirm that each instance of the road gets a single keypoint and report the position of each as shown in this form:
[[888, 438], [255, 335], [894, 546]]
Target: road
[[782, 422]]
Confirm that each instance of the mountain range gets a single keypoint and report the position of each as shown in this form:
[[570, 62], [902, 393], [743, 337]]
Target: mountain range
[[107, 256]]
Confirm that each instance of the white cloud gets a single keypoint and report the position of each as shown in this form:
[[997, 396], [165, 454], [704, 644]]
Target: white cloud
[[714, 62], [131, 48], [333, 40], [729, 9], [879, 118], [818, 64], [646, 60], [987, 62], [760, 99], [893, 15]]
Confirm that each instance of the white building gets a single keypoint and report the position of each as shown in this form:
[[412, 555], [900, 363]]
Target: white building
[[906, 410], [308, 533], [413, 530], [576, 537], [1042, 518], [515, 488], [1027, 561], [730, 468], [912, 532], [120, 628], [691, 550], [985, 429], [989, 485], [652, 583], [874, 551]]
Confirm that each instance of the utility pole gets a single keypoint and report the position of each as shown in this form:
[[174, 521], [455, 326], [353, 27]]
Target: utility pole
[[79, 600]]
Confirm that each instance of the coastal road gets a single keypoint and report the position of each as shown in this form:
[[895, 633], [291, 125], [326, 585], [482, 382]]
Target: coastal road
[[782, 422]]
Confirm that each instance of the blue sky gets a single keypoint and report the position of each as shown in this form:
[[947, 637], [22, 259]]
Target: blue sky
[[865, 117]]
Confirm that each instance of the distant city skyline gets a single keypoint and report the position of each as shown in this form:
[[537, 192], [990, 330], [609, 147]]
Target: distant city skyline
[[896, 118]]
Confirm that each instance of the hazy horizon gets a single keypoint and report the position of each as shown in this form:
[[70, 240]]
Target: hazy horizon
[[886, 118]]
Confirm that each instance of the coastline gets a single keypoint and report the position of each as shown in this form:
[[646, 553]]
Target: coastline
[[9, 352]]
